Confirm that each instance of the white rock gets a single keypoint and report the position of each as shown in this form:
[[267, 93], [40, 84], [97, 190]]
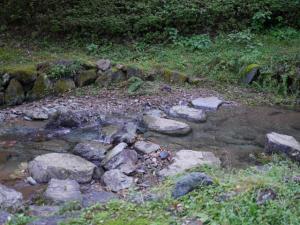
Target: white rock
[[166, 126], [191, 114], [188, 159], [280, 143], [209, 103], [146, 147]]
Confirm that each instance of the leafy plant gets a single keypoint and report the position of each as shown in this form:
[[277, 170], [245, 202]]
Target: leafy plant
[[287, 33], [134, 84], [92, 49], [260, 18], [64, 70]]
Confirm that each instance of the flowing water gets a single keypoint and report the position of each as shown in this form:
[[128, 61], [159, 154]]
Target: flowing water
[[235, 134]]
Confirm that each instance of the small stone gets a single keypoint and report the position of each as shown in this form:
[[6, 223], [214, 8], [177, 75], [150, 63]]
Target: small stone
[[146, 147], [60, 191], [190, 182], [30, 181], [164, 155], [103, 64], [265, 195], [209, 103], [37, 114], [115, 180], [191, 114]]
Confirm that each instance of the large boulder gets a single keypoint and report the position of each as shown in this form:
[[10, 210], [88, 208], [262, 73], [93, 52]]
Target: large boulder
[[41, 88], [93, 151], [60, 191], [190, 182], [61, 166], [63, 85], [188, 159], [25, 74], [280, 143], [86, 77], [115, 180], [166, 126], [209, 103], [146, 147], [191, 114], [14, 93], [9, 198]]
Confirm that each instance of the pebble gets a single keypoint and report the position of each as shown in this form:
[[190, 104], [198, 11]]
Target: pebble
[[164, 155], [31, 181]]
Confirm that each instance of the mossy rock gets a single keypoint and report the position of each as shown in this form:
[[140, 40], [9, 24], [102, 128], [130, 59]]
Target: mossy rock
[[249, 73], [174, 77], [63, 85], [41, 88], [118, 75], [86, 77], [133, 71], [14, 93], [26, 74]]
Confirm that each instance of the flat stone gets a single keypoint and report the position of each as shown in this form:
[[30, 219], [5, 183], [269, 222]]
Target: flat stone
[[115, 151], [191, 114], [61, 166], [125, 161], [9, 198], [36, 114], [166, 126], [190, 182], [156, 112], [279, 143], [209, 103], [93, 151], [146, 147], [115, 180], [97, 197], [60, 191], [188, 159]]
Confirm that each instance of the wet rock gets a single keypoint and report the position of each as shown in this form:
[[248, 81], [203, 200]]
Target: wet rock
[[191, 114], [63, 85], [14, 93], [146, 147], [97, 197], [127, 134], [279, 143], [115, 180], [68, 119], [188, 159], [115, 151], [41, 88], [4, 217], [166, 126], [103, 64], [190, 182], [93, 151], [42, 210], [59, 146], [125, 161], [156, 112], [164, 155], [36, 114], [60, 191], [9, 198], [61, 166], [209, 103], [108, 133], [86, 77], [265, 195]]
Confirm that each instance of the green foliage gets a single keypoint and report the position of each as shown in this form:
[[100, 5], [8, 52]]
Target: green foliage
[[287, 33], [20, 219], [64, 71], [134, 84]]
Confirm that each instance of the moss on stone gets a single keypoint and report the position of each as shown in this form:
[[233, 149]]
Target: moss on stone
[[25, 74], [174, 77], [14, 93], [42, 87], [63, 85], [86, 77]]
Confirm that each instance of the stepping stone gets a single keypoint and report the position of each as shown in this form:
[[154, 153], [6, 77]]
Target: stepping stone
[[146, 147], [280, 143], [61, 166], [166, 126], [61, 191], [9, 198], [115, 180], [209, 103], [188, 113], [188, 159]]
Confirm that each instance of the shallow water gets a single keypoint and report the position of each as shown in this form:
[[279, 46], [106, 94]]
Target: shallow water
[[235, 134]]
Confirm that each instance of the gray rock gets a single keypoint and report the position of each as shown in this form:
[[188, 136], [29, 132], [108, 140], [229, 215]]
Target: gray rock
[[265, 195], [30, 181], [134, 72], [146, 147], [127, 134], [97, 197], [155, 112], [190, 182], [103, 64], [125, 161], [93, 151], [86, 77], [14, 93], [59, 146], [99, 171], [115, 151], [188, 159], [4, 217], [191, 114], [61, 166], [209, 103], [9, 198], [36, 114], [41, 88], [166, 126], [61, 191], [63, 85], [108, 133], [115, 180], [42, 210], [279, 143]]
